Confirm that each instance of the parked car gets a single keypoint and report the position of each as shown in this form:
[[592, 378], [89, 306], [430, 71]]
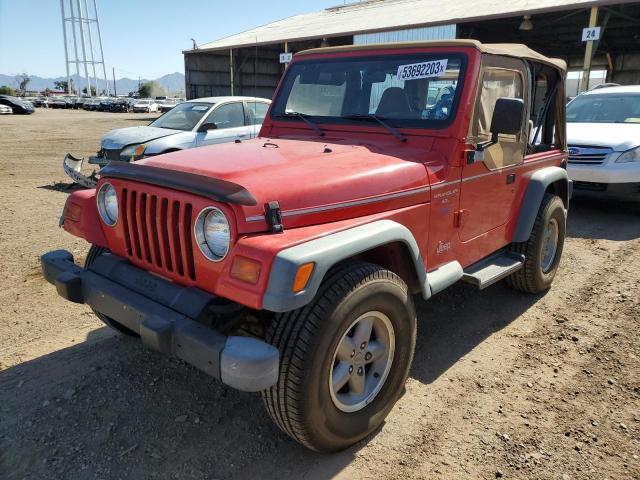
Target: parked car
[[287, 264], [91, 104], [165, 105], [105, 105], [32, 100], [195, 123], [145, 105], [16, 105], [603, 133], [60, 102], [78, 102], [5, 110], [120, 105]]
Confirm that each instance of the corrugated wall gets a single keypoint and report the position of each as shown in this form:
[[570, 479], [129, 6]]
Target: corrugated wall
[[441, 32]]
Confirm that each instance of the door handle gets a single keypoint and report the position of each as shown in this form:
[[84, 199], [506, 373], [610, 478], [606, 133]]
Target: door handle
[[511, 178]]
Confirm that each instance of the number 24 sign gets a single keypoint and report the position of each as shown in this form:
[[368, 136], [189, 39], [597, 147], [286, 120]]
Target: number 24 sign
[[590, 33]]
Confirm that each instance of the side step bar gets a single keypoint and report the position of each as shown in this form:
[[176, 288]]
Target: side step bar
[[492, 269]]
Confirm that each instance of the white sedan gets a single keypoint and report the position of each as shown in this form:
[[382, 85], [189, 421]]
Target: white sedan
[[147, 106], [4, 110], [603, 134], [195, 123]]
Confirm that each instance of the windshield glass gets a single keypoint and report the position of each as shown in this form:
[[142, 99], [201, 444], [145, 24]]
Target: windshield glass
[[605, 108], [184, 116], [416, 90]]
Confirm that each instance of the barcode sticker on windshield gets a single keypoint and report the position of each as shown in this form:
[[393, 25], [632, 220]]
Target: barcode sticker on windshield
[[415, 71]]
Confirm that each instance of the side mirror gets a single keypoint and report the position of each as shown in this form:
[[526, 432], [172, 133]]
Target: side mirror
[[205, 127], [507, 117]]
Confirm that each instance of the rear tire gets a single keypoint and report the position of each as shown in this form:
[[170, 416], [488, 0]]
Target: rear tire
[[95, 252], [308, 402], [543, 250]]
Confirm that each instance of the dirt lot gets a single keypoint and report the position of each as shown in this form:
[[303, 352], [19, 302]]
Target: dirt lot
[[504, 385]]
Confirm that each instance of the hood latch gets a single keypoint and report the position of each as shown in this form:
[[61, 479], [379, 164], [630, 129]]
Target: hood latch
[[273, 216]]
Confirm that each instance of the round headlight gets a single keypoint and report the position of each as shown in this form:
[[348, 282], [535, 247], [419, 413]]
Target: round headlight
[[213, 233], [108, 204]]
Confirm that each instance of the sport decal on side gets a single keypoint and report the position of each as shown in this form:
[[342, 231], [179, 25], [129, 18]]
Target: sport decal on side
[[415, 71]]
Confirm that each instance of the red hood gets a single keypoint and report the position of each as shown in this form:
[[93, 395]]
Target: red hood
[[304, 174]]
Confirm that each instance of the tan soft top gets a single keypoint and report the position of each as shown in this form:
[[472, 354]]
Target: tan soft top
[[517, 50]]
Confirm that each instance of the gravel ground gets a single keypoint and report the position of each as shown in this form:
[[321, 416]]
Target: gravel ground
[[504, 385]]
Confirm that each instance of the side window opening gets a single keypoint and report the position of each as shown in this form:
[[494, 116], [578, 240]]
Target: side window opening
[[255, 111], [543, 109], [497, 82], [229, 115]]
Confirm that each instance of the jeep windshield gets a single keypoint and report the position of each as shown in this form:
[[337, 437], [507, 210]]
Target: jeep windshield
[[605, 108], [404, 90], [184, 116]]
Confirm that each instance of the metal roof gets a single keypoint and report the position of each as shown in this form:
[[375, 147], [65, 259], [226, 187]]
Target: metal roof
[[382, 15], [509, 49]]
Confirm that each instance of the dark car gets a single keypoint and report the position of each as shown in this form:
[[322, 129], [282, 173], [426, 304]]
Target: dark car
[[91, 104], [120, 105], [17, 105], [60, 102], [37, 101], [105, 105]]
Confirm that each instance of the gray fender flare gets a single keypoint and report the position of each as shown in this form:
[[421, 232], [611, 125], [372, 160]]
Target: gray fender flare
[[538, 184], [326, 252]]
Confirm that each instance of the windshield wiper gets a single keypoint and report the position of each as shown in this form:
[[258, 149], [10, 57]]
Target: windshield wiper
[[380, 120], [305, 118]]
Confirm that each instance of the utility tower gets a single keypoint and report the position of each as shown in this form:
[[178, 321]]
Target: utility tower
[[80, 28]]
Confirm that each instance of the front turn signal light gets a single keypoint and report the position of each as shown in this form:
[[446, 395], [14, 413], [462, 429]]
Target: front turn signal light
[[246, 269], [302, 276]]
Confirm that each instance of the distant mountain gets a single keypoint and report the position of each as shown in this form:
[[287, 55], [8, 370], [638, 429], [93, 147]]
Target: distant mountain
[[172, 83]]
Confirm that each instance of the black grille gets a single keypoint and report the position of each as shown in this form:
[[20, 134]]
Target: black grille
[[590, 186], [111, 153], [158, 231]]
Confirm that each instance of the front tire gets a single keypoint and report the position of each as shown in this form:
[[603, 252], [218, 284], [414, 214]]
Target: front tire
[[344, 358], [543, 249], [95, 252]]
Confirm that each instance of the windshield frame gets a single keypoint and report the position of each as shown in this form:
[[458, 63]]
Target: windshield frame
[[277, 112], [602, 96]]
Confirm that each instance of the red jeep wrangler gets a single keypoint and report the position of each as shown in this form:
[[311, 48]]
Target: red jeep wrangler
[[287, 264]]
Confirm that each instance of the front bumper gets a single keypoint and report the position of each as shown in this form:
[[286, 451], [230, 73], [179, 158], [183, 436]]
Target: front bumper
[[72, 166], [609, 172], [166, 317]]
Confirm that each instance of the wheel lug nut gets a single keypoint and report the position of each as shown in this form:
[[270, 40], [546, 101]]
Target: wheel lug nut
[[353, 352], [351, 369], [360, 370], [367, 356], [362, 345]]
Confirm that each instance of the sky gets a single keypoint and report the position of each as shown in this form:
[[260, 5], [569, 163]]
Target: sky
[[140, 37]]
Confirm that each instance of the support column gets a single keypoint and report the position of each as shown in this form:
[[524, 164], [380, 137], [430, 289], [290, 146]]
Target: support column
[[588, 52], [66, 53], [84, 49], [231, 69], [75, 47], [104, 68]]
